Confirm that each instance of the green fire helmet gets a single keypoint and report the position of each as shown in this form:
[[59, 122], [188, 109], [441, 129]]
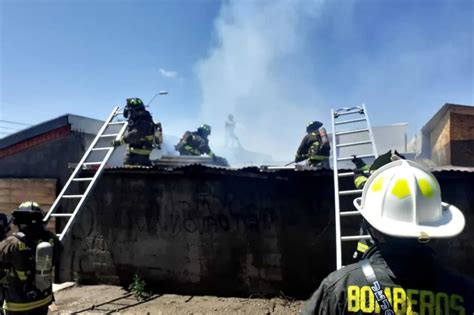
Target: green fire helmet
[[135, 102], [313, 126], [204, 130]]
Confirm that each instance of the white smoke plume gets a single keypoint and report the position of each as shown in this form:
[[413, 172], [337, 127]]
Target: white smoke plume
[[256, 71]]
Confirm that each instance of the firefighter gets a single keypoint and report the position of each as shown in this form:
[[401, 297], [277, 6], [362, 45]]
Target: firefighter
[[4, 229], [29, 256], [401, 205], [195, 143], [140, 133], [315, 146], [361, 173]]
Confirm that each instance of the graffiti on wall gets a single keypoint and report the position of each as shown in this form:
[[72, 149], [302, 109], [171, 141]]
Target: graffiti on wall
[[204, 214]]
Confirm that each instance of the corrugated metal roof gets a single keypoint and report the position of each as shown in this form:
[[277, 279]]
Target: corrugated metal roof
[[451, 168], [256, 169]]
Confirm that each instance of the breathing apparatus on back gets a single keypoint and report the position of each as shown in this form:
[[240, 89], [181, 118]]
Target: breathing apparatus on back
[[317, 126], [29, 219]]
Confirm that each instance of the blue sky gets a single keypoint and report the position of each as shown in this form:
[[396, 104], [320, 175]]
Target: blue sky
[[84, 57], [274, 64]]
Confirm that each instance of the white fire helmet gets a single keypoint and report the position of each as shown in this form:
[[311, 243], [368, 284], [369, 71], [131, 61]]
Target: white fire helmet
[[403, 199]]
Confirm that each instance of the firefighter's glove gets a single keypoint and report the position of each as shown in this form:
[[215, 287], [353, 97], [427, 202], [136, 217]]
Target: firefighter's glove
[[358, 162], [116, 143]]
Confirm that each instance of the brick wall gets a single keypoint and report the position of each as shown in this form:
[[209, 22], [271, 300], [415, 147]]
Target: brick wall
[[462, 139]]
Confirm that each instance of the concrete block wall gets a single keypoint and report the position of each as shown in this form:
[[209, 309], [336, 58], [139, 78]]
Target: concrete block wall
[[231, 233]]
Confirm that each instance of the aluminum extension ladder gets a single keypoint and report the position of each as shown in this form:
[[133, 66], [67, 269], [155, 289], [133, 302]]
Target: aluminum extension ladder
[[361, 113], [53, 212]]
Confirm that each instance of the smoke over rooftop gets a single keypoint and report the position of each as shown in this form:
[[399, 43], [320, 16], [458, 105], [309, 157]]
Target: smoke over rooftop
[[256, 71]]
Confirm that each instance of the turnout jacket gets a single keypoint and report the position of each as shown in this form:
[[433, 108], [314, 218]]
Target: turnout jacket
[[192, 143], [413, 283], [17, 257], [140, 131], [311, 148]]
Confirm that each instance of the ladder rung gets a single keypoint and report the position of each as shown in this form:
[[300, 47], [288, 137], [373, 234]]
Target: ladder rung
[[347, 158], [348, 132], [355, 238], [345, 174], [72, 196], [92, 163], [350, 174], [118, 112], [83, 165], [353, 143], [350, 192], [349, 121], [82, 179], [355, 111], [110, 135], [349, 213], [102, 149]]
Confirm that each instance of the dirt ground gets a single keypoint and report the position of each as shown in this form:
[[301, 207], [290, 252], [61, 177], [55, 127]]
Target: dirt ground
[[105, 299]]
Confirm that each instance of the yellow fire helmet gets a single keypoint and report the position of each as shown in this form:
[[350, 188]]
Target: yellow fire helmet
[[403, 199]]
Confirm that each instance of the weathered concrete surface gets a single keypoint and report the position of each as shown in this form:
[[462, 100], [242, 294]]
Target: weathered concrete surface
[[207, 231]]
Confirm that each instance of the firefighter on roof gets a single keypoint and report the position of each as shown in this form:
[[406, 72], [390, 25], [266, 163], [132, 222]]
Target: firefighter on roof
[[142, 134], [195, 143], [402, 207], [28, 256], [315, 146]]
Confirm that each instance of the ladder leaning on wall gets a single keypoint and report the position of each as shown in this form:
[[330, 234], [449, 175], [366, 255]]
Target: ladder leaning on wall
[[361, 118], [104, 135]]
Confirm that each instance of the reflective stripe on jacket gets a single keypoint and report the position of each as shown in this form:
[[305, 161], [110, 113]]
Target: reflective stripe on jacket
[[191, 150], [27, 306], [193, 144], [139, 151], [310, 148], [414, 284], [318, 157]]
